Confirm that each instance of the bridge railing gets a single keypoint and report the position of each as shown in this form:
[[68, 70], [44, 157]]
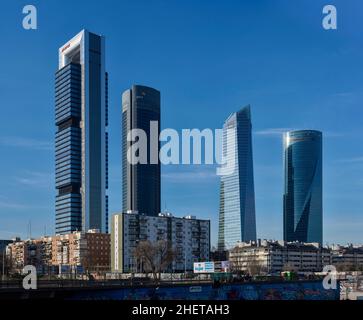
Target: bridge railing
[[74, 283]]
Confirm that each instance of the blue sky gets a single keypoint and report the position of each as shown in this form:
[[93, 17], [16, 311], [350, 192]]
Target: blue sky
[[207, 61]]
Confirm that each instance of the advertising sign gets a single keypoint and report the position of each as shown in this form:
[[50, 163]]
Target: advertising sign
[[204, 267]]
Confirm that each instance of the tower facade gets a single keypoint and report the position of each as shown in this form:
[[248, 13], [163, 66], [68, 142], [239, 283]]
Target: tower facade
[[237, 221], [303, 202], [141, 182], [81, 118]]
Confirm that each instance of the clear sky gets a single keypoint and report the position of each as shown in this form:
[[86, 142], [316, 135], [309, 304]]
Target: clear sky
[[208, 59]]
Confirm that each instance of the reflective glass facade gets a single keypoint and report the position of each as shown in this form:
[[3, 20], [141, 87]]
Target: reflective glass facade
[[81, 137], [237, 221], [68, 148], [140, 182], [303, 204]]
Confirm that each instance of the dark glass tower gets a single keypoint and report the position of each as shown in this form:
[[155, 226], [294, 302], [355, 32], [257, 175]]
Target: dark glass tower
[[81, 137], [141, 182], [303, 204], [237, 221]]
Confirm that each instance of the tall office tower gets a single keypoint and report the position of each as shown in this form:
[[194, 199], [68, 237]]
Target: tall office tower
[[141, 182], [237, 221], [303, 202], [81, 138]]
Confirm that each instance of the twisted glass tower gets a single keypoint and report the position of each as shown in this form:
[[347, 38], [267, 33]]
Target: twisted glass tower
[[303, 204], [237, 221], [141, 182], [81, 137]]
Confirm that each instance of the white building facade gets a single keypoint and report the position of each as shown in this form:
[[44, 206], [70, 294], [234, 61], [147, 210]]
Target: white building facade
[[276, 256], [347, 258], [189, 239]]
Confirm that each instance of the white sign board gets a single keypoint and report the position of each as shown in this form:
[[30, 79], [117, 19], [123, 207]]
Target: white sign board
[[203, 267]]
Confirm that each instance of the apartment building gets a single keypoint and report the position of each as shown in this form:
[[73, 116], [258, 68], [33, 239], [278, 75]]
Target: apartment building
[[276, 256], [85, 252], [3, 262], [188, 237], [36, 252], [347, 258]]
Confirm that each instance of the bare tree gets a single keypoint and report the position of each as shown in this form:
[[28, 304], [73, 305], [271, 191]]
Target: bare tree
[[236, 266], [255, 267], [347, 266], [288, 266], [236, 262], [155, 257]]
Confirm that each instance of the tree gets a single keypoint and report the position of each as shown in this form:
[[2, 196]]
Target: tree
[[347, 266], [255, 267], [289, 266], [155, 257], [236, 263]]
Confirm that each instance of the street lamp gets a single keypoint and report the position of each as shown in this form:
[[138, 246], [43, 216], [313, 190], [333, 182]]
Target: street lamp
[[3, 277]]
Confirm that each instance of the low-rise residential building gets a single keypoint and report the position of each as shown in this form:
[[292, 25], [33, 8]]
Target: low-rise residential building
[[85, 252], [347, 258], [276, 256], [34, 252], [3, 244], [188, 237], [89, 252], [3, 260]]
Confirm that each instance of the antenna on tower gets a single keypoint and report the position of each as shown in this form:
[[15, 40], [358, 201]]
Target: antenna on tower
[[29, 231]]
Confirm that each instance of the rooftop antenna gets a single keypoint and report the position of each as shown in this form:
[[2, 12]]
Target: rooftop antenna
[[29, 229]]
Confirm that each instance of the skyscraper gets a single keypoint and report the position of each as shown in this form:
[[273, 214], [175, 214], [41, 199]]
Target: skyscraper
[[141, 182], [237, 221], [303, 204], [81, 118]]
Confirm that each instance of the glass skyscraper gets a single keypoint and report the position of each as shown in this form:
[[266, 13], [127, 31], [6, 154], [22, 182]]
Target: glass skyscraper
[[303, 204], [237, 221], [141, 182], [81, 117]]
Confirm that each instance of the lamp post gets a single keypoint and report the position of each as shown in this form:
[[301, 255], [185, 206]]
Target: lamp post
[[185, 263], [3, 274]]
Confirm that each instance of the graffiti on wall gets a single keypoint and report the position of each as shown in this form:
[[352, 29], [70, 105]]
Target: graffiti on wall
[[250, 291]]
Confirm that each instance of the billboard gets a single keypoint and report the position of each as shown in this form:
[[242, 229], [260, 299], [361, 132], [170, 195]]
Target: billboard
[[204, 267]]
